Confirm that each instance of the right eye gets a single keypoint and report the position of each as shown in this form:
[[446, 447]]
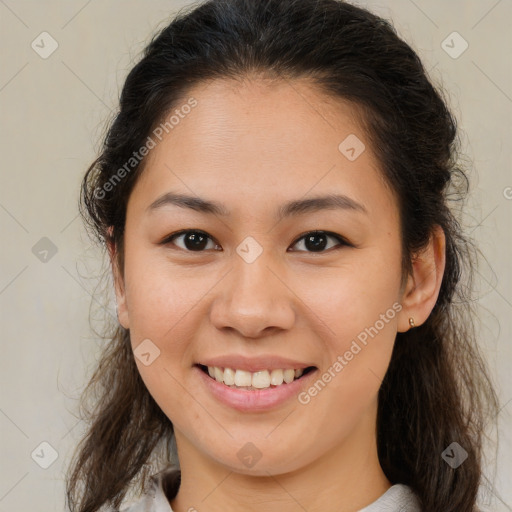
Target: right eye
[[193, 240]]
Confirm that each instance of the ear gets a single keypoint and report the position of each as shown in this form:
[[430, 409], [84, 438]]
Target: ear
[[423, 284], [122, 310]]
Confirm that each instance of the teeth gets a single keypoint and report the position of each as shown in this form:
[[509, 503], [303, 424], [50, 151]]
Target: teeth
[[261, 380], [276, 377], [218, 374], [229, 376], [257, 380], [288, 376], [242, 378]]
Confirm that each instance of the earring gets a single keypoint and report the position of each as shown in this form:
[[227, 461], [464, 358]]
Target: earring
[[411, 322]]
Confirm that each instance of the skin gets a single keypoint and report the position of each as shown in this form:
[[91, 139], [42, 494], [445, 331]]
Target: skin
[[252, 146]]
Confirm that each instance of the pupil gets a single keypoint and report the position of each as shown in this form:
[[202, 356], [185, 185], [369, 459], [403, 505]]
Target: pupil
[[309, 241], [195, 241]]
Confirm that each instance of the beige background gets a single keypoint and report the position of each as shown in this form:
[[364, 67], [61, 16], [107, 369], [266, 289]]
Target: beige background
[[53, 113]]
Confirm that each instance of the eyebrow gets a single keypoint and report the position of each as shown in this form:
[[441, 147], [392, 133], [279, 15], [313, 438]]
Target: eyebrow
[[289, 209]]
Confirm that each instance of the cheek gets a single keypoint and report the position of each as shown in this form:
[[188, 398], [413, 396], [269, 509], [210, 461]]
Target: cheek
[[352, 298], [358, 308], [357, 355], [157, 295]]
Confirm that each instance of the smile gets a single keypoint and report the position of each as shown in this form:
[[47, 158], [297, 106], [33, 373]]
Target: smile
[[276, 387], [241, 379]]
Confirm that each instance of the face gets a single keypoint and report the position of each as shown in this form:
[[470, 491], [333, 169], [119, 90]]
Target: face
[[270, 280]]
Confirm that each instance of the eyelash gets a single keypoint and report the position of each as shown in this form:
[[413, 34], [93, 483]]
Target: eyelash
[[342, 241]]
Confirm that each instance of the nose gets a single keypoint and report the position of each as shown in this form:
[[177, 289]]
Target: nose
[[254, 300]]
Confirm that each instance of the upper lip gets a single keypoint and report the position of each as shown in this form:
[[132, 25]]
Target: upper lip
[[254, 364]]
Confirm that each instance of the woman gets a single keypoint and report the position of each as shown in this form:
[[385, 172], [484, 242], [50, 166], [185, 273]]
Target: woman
[[273, 194]]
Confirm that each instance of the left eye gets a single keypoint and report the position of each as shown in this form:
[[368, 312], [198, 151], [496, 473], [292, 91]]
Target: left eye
[[318, 240], [197, 241]]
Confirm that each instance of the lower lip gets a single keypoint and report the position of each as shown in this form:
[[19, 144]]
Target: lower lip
[[254, 400]]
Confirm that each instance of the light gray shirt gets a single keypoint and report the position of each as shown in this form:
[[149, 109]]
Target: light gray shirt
[[398, 498]]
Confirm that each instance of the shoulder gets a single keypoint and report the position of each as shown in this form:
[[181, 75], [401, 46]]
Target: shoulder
[[398, 498], [163, 486]]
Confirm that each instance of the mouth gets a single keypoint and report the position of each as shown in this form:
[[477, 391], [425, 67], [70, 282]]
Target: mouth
[[255, 381]]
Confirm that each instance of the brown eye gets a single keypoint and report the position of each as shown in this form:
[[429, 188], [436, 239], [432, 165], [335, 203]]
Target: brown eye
[[318, 241], [192, 240], [197, 241]]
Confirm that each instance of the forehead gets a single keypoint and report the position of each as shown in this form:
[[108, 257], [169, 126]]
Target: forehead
[[262, 140]]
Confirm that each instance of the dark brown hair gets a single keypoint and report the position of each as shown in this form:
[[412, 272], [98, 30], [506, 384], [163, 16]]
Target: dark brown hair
[[436, 390]]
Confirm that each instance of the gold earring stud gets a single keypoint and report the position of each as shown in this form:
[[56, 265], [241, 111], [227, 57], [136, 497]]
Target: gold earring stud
[[411, 322]]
